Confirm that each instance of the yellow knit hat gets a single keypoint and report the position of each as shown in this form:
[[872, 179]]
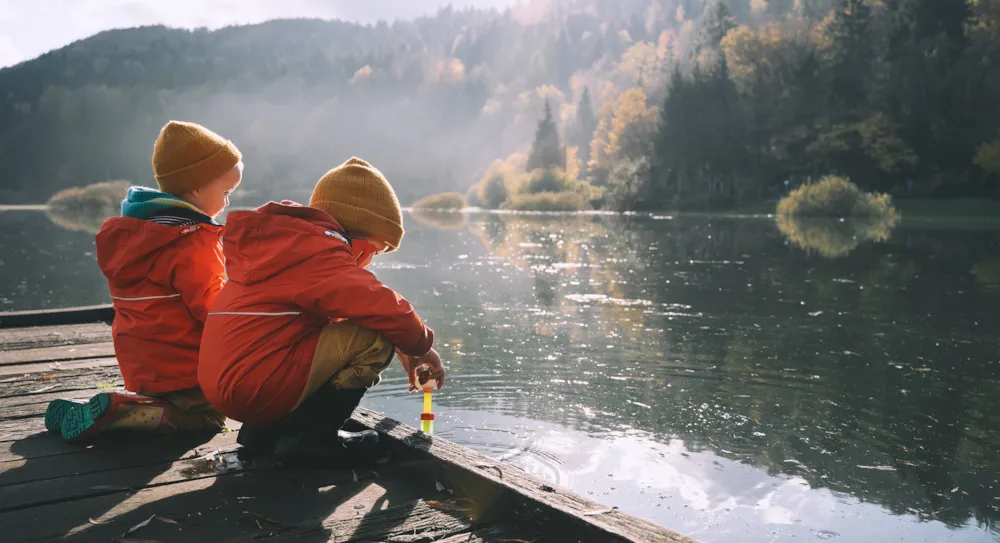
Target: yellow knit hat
[[188, 156], [362, 201]]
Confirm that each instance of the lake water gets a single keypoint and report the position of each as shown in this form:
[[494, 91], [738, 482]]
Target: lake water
[[707, 373]]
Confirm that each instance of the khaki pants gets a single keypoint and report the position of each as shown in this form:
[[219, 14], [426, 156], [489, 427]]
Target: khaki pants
[[348, 356], [191, 411]]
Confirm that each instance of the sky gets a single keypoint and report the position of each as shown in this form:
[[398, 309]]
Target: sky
[[29, 28]]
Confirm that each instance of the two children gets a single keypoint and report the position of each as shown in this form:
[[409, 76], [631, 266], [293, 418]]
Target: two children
[[294, 339], [164, 264]]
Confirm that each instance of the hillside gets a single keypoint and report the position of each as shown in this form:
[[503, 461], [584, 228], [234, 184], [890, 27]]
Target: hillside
[[434, 101]]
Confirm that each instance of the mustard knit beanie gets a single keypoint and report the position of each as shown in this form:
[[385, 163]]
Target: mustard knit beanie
[[188, 156], [362, 201]]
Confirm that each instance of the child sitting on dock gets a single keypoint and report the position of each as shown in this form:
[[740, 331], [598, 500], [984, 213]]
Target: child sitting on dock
[[164, 264], [302, 329]]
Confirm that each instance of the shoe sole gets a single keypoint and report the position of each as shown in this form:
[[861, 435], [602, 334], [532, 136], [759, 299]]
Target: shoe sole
[[82, 420], [55, 412]]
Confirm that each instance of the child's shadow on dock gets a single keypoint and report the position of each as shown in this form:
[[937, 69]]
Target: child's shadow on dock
[[47, 487], [105, 490]]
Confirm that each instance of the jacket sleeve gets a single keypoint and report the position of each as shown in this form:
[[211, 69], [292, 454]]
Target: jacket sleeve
[[339, 288], [199, 272]]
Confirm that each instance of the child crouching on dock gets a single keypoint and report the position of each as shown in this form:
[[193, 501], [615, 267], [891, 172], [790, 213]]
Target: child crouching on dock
[[302, 329], [164, 264]]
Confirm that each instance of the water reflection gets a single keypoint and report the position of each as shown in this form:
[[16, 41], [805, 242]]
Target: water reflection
[[835, 238], [442, 220], [870, 379]]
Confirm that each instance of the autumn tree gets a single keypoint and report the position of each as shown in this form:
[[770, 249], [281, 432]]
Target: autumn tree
[[546, 151]]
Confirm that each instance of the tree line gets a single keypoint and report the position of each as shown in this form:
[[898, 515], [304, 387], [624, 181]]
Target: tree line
[[653, 103]]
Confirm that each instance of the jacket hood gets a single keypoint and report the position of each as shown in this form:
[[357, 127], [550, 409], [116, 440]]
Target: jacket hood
[[127, 248], [274, 237]]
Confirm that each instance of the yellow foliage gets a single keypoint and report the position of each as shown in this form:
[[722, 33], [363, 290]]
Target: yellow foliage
[[448, 71], [770, 53], [624, 129], [758, 6]]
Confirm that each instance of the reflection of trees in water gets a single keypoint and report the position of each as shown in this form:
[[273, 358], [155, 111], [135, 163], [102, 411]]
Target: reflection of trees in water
[[834, 238], [85, 209], [822, 372], [441, 220]]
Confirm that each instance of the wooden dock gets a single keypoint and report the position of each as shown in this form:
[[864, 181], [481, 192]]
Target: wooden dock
[[193, 488]]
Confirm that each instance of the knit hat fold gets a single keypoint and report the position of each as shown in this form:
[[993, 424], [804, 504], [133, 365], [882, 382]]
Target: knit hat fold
[[188, 156], [362, 200]]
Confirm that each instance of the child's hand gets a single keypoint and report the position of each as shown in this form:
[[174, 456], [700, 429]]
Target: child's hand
[[433, 361]]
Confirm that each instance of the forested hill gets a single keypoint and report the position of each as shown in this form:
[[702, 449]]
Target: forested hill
[[726, 98]]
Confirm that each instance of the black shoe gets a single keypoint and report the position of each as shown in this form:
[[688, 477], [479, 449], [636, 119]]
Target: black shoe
[[257, 442], [313, 432]]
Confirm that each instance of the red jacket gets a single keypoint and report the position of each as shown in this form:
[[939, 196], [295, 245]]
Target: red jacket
[[162, 279], [290, 273]]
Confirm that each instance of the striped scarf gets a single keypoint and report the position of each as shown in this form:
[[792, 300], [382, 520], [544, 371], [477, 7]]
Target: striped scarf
[[144, 202]]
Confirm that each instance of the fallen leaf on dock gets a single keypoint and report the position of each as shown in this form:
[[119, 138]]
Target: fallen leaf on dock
[[43, 389], [139, 526]]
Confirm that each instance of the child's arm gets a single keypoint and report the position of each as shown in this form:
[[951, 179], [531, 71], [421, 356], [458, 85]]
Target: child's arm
[[344, 290], [199, 272]]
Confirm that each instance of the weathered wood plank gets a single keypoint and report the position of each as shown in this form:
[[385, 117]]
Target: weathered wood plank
[[501, 533], [52, 367], [255, 504], [113, 454], [611, 524], [52, 336], [57, 354], [26, 449], [414, 521], [33, 493], [62, 316], [60, 381]]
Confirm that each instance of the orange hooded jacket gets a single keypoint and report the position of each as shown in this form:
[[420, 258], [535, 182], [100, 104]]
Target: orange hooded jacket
[[162, 279], [291, 273]]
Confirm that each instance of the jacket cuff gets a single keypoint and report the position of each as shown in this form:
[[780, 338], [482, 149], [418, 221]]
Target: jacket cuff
[[423, 346]]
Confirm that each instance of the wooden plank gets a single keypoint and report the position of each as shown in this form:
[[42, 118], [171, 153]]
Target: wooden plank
[[62, 316], [502, 533], [127, 451], [50, 367], [230, 508], [52, 336], [28, 494], [13, 451], [60, 381], [611, 524], [414, 521], [57, 354]]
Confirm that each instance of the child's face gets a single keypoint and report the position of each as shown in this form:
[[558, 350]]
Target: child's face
[[213, 198], [364, 250]]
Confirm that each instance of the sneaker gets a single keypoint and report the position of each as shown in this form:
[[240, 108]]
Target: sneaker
[[114, 411], [55, 412]]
